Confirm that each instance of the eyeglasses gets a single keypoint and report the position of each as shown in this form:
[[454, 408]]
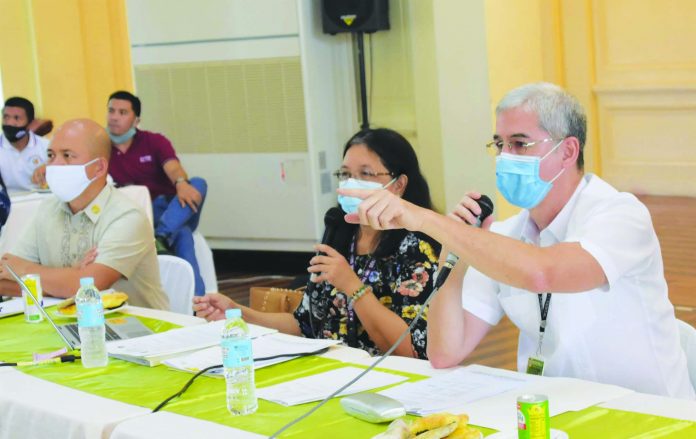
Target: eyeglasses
[[343, 175], [495, 147]]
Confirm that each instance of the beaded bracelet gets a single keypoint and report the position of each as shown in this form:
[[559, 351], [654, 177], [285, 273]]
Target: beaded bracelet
[[359, 293]]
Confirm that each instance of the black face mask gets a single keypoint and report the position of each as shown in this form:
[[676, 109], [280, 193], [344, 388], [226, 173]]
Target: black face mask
[[13, 133]]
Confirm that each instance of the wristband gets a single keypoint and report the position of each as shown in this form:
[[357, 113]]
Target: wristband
[[359, 293]]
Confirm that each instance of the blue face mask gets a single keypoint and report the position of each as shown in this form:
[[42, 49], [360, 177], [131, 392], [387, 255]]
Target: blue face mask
[[350, 204], [518, 179], [123, 138]]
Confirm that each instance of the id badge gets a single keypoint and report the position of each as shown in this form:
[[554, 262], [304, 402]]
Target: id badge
[[535, 366]]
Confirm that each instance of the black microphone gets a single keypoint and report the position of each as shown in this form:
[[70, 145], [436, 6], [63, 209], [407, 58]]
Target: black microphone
[[486, 206], [333, 218]]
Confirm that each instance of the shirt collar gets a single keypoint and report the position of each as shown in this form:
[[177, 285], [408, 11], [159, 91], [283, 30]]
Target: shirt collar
[[556, 231], [96, 207]]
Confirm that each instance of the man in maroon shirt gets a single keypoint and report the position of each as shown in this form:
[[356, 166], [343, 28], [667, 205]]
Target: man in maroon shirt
[[146, 158]]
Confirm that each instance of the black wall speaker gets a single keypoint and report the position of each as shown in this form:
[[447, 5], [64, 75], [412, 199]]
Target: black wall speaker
[[354, 15]]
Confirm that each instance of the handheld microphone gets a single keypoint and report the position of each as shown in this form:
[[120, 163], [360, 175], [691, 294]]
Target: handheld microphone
[[332, 219], [486, 209]]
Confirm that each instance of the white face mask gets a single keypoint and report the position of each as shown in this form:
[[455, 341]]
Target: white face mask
[[67, 182]]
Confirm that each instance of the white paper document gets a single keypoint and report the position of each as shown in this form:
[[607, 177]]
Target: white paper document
[[15, 306], [151, 350], [461, 386], [319, 386], [261, 347], [498, 410]]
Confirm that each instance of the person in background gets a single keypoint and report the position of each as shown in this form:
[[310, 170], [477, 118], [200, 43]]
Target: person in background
[[371, 284], [4, 203], [88, 228], [578, 270], [22, 152], [146, 158]]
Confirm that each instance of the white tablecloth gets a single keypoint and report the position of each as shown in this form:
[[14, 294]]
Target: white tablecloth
[[34, 408], [24, 207]]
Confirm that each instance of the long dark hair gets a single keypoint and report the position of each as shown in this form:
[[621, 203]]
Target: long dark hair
[[398, 156]]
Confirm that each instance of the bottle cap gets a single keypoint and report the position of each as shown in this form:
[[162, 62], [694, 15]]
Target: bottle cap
[[232, 313], [86, 281]]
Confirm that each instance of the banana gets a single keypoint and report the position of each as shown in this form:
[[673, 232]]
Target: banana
[[438, 426], [439, 432], [432, 422]]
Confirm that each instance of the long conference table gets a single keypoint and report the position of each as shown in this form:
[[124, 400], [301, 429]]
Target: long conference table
[[68, 401]]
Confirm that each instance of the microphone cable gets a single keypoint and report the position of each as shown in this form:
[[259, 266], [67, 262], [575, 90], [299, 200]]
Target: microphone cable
[[217, 366]]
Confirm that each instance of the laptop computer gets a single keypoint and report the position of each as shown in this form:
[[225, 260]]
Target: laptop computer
[[118, 328]]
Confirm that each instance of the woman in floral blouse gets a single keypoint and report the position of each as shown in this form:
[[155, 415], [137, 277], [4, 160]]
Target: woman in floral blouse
[[368, 286]]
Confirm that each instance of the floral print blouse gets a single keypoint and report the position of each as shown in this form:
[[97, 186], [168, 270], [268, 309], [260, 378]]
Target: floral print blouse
[[401, 282]]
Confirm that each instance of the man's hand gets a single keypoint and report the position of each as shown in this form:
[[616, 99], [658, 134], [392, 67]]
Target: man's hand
[[468, 210], [188, 195], [19, 265], [88, 258], [212, 306], [383, 210], [334, 269], [39, 176]]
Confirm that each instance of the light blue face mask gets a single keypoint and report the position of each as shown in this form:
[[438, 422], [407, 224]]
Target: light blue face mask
[[518, 179], [350, 204], [123, 138]]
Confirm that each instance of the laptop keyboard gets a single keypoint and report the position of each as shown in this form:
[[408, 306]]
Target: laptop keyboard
[[109, 333]]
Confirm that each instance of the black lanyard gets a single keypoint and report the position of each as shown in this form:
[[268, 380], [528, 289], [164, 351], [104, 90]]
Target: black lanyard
[[544, 312]]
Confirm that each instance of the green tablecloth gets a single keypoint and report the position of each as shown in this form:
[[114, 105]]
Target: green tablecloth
[[147, 387]]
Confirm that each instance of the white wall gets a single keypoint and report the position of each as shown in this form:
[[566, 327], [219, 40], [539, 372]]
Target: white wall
[[273, 201]]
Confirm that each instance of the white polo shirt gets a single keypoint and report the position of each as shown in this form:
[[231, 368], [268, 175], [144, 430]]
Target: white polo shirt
[[17, 167], [622, 333]]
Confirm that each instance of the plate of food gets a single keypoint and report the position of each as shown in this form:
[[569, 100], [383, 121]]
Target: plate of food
[[439, 425], [113, 301]]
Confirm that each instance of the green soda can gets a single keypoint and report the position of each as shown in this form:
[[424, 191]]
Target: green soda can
[[533, 417], [31, 308]]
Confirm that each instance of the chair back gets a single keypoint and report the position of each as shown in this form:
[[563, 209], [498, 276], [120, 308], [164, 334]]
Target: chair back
[[178, 283], [687, 336]]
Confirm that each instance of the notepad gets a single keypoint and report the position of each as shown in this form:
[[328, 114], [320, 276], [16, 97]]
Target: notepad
[[261, 347]]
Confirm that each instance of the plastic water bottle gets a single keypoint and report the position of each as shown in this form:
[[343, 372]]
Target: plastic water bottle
[[238, 362], [90, 324]]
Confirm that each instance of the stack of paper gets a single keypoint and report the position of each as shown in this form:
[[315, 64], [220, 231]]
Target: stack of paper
[[15, 306], [489, 396], [261, 347], [442, 392], [319, 386], [151, 350]]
